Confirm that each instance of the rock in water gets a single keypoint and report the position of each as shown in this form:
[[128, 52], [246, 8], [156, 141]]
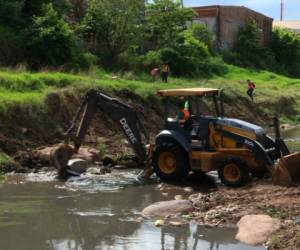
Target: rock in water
[[255, 229], [168, 208], [78, 165]]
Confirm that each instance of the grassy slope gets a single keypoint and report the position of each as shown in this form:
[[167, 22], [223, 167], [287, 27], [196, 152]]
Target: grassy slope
[[30, 88]]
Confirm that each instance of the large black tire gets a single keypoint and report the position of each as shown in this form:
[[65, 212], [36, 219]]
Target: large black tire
[[234, 172], [170, 161]]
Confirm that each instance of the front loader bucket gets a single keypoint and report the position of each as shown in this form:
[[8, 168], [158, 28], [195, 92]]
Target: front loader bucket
[[287, 170]]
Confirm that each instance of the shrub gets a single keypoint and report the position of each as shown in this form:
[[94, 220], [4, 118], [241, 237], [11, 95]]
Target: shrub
[[286, 47], [11, 49], [248, 50], [188, 57], [201, 33], [5, 163], [52, 41]]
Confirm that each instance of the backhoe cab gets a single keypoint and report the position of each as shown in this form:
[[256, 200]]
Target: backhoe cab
[[235, 148]]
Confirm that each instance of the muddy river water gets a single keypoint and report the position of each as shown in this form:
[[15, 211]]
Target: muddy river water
[[37, 212], [104, 212]]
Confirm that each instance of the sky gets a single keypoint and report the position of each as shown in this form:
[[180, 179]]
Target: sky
[[270, 8]]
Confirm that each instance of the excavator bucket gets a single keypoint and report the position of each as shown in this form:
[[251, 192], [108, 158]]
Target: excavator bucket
[[60, 157], [287, 170]]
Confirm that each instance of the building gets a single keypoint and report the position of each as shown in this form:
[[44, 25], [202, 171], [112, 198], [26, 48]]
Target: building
[[291, 25], [226, 21]]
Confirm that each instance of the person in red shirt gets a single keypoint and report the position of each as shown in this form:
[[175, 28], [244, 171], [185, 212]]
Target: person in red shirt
[[251, 88]]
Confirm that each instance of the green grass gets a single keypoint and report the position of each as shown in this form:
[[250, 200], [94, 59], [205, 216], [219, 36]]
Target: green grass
[[5, 163], [30, 88]]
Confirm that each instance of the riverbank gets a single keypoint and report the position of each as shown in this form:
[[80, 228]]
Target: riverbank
[[36, 108], [227, 206], [217, 206]]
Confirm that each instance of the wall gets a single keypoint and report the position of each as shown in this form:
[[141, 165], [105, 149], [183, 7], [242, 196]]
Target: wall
[[226, 21]]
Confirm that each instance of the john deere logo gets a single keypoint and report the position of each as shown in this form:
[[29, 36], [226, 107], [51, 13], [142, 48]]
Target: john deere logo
[[128, 131]]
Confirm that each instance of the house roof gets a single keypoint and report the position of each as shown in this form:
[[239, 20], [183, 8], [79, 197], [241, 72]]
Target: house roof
[[187, 92], [200, 8]]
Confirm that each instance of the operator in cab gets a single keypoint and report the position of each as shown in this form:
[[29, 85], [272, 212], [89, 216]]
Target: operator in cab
[[184, 113]]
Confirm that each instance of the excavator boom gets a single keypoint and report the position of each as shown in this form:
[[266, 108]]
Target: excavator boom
[[120, 113]]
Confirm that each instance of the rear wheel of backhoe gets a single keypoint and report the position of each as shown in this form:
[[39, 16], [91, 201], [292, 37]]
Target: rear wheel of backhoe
[[170, 162], [234, 172]]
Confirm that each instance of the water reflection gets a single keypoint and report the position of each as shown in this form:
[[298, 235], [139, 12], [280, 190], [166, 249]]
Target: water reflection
[[89, 215]]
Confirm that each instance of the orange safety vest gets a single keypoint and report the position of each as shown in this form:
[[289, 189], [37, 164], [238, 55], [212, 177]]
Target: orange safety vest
[[186, 114]]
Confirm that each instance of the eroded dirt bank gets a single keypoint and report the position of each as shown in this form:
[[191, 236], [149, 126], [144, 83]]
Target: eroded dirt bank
[[23, 128]]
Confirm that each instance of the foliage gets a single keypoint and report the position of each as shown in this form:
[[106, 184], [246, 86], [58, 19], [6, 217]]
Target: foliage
[[11, 47], [10, 12], [286, 47], [189, 55], [52, 41], [5, 163], [249, 51], [110, 26], [128, 35], [201, 33], [164, 20]]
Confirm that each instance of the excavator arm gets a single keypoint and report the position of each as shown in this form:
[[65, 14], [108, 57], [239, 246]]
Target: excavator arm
[[120, 113]]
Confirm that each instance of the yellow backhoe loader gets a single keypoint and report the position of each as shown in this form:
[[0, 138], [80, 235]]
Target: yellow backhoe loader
[[203, 143]]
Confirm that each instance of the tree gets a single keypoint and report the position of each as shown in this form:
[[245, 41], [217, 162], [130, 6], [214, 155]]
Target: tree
[[201, 33], [164, 20], [249, 51], [286, 47], [52, 41], [10, 12], [78, 10], [35, 7], [111, 26]]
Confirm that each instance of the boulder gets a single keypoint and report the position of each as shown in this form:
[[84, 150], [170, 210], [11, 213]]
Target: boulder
[[88, 154], [168, 208], [255, 229]]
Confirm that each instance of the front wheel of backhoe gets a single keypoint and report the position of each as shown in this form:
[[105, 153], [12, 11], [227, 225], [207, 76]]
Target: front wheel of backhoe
[[234, 172], [170, 162]]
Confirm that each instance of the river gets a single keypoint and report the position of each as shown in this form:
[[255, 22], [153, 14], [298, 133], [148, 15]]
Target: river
[[104, 212], [37, 212]]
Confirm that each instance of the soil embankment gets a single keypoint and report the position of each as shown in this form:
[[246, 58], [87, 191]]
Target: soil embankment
[[27, 127]]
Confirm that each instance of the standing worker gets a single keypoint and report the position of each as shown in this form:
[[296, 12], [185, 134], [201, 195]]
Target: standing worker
[[251, 88], [154, 74], [165, 70]]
